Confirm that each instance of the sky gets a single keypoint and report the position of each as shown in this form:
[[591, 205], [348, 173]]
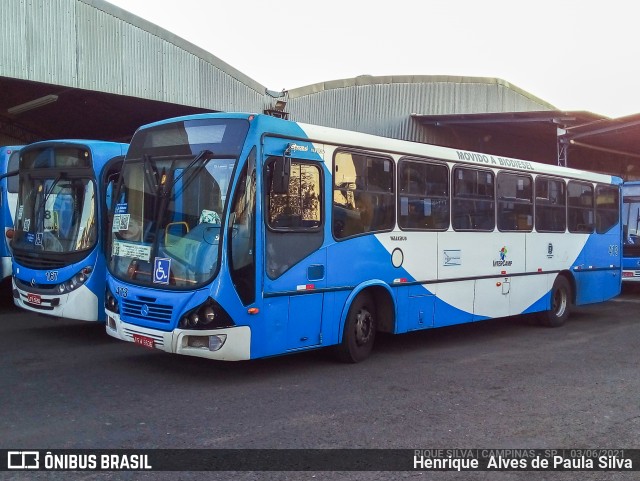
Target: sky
[[574, 54]]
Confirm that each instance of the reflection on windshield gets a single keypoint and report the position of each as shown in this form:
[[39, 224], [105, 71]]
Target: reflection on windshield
[[630, 223], [166, 220], [56, 215]]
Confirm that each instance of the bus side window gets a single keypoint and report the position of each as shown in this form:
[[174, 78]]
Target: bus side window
[[242, 234], [607, 207], [550, 205], [580, 207], [293, 218], [363, 194], [515, 202], [299, 207], [473, 205], [424, 195], [13, 165]]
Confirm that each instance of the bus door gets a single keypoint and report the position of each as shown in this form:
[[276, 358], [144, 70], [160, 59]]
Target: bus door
[[295, 261]]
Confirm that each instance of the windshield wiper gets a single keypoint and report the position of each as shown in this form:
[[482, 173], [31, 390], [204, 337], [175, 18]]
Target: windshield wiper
[[150, 175], [164, 191], [205, 155], [39, 214]]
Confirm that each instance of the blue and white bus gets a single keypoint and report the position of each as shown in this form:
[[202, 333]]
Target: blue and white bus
[[8, 194], [58, 257], [631, 232], [242, 236]]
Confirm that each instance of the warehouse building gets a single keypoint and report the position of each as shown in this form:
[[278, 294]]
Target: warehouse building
[[88, 69]]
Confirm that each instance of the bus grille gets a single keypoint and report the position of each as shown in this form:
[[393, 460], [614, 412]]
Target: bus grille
[[34, 261], [147, 310]]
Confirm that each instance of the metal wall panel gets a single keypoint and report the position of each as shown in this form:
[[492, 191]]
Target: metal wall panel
[[142, 64], [13, 52], [99, 45], [180, 76], [51, 41], [93, 45], [220, 91]]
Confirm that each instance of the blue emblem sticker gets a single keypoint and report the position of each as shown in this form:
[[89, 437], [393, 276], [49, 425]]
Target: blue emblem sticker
[[121, 208], [161, 269]]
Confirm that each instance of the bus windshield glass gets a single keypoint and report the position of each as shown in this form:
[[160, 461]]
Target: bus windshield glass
[[168, 208], [57, 202], [631, 215]]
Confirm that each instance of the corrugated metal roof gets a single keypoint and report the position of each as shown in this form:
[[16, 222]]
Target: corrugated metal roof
[[99, 46], [382, 105], [13, 59], [50, 41], [367, 80], [179, 42], [93, 45]]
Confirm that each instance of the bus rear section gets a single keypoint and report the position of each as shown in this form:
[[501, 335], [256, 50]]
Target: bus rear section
[[58, 267], [9, 157]]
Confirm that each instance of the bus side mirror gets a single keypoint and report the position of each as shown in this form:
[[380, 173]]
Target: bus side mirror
[[281, 173]]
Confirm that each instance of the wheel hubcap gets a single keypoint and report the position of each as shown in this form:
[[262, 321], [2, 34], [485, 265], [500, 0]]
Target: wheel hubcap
[[364, 327], [559, 302]]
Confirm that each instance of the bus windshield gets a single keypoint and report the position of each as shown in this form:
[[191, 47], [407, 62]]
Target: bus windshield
[[631, 215], [57, 207], [168, 208]]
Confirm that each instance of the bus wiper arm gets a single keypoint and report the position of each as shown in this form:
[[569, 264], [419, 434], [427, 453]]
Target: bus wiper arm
[[149, 176], [165, 191], [43, 206], [205, 155], [9, 174]]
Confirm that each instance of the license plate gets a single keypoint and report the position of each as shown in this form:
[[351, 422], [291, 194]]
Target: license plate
[[144, 341], [34, 299]]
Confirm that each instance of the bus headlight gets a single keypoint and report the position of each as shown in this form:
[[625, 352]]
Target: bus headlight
[[110, 302], [209, 315], [194, 319], [210, 343], [76, 281]]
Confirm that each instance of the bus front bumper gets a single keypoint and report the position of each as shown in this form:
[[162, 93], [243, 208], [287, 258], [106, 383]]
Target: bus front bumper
[[228, 344], [630, 275], [80, 304]]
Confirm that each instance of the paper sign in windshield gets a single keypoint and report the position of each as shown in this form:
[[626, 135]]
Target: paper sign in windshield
[[133, 251]]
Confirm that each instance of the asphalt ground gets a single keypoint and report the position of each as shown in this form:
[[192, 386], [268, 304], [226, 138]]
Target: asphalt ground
[[503, 383]]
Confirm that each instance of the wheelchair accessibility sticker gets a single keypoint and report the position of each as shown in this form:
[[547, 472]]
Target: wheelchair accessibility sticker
[[161, 269]]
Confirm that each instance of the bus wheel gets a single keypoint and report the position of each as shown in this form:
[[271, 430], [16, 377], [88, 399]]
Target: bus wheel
[[560, 304], [359, 330]]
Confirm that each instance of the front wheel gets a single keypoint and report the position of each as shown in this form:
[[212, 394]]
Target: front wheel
[[359, 330], [560, 304]]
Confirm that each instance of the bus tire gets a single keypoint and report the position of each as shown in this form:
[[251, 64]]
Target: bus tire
[[560, 304], [359, 330]]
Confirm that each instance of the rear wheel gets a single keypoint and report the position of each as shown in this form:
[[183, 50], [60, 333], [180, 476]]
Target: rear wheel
[[560, 304], [359, 330]]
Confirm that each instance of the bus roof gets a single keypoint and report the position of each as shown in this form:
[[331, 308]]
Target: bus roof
[[101, 150], [333, 136]]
